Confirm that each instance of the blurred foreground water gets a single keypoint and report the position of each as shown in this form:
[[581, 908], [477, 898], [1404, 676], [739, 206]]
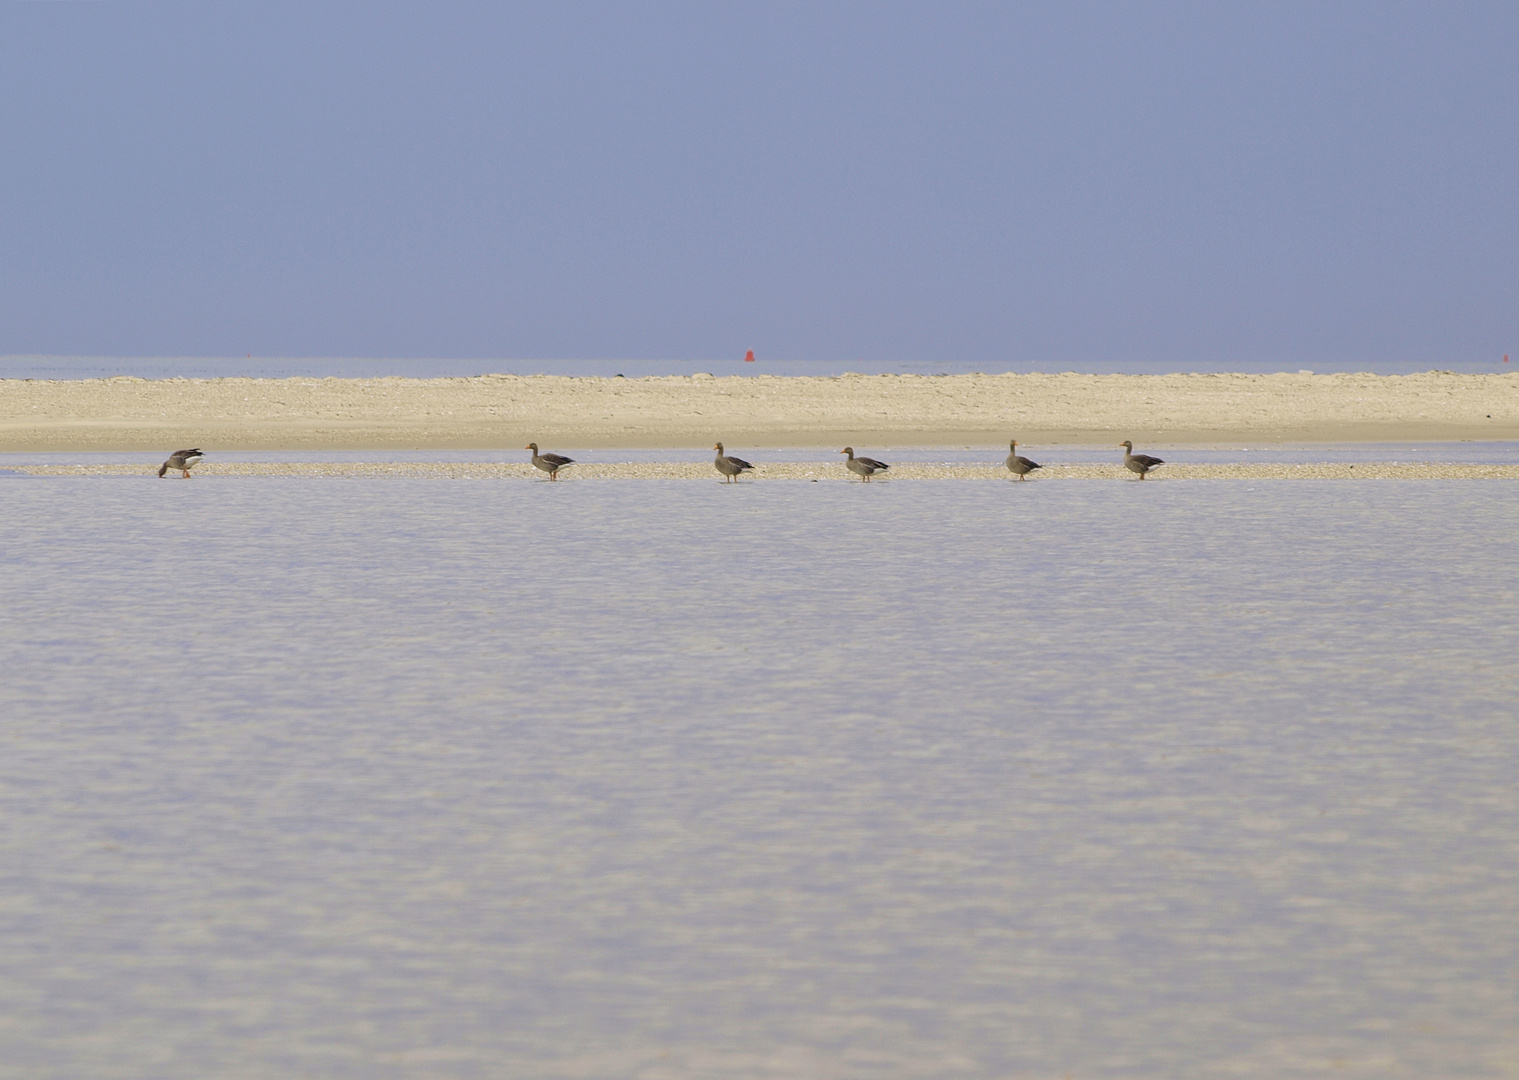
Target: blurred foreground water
[[425, 778]]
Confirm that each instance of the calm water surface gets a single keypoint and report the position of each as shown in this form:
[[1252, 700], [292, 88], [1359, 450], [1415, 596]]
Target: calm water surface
[[284, 367], [429, 778]]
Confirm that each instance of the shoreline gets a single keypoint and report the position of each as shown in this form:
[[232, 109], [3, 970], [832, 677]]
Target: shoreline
[[794, 471], [503, 412]]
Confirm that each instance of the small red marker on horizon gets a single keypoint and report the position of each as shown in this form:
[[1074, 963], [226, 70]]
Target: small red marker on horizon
[[1505, 358], [749, 357]]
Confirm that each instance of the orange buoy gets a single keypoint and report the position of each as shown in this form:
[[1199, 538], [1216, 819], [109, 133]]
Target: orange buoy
[[749, 357]]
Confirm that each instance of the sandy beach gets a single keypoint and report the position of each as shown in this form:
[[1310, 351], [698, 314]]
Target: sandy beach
[[504, 411]]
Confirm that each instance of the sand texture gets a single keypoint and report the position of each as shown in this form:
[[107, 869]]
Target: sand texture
[[504, 411]]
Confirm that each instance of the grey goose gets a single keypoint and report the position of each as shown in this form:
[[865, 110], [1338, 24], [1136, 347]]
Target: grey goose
[[731, 467], [864, 467], [549, 463], [1020, 466], [181, 460], [1140, 463]]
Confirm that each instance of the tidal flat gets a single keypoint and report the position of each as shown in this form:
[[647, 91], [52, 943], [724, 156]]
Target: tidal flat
[[386, 776]]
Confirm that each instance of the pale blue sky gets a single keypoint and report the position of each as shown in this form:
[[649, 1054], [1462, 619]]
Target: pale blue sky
[[1059, 186]]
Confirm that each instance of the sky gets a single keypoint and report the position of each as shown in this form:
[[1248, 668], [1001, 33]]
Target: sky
[[1130, 186]]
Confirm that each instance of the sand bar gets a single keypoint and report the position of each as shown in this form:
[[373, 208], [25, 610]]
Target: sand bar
[[504, 411]]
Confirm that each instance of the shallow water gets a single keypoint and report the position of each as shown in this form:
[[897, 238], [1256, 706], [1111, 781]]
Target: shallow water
[[1474, 453], [412, 778], [285, 367]]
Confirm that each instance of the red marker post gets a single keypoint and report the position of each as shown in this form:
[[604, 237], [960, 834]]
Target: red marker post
[[749, 357]]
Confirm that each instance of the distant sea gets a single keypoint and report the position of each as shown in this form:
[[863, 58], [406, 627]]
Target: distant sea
[[283, 367]]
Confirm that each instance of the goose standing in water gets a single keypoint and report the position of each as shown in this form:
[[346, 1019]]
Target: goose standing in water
[[549, 463], [731, 467], [1020, 466], [181, 460], [866, 467], [1140, 463]]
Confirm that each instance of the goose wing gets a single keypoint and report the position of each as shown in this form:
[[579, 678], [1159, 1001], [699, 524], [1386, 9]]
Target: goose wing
[[872, 463], [557, 460], [1147, 461]]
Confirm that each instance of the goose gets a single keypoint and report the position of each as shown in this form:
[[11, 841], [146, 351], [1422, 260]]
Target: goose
[[181, 460], [731, 467], [866, 467], [549, 463], [1140, 463], [1020, 466]]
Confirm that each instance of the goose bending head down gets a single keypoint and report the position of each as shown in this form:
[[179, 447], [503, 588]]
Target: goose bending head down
[[549, 463], [181, 460], [731, 467], [863, 467], [1020, 466], [1139, 463]]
